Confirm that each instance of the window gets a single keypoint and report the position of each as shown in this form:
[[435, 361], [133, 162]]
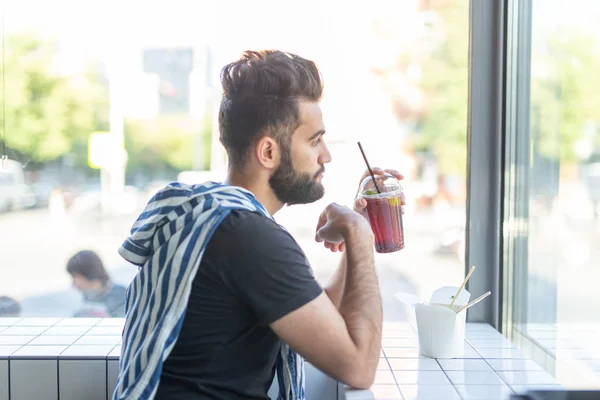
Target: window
[[139, 83], [552, 214]]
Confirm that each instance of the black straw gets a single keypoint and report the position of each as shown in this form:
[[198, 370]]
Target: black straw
[[369, 167]]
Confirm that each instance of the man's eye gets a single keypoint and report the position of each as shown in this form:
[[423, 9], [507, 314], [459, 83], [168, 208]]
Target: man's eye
[[316, 143]]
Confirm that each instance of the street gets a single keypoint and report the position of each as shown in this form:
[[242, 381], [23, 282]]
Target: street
[[35, 246]]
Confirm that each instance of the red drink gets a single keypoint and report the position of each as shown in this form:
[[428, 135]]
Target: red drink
[[385, 216]]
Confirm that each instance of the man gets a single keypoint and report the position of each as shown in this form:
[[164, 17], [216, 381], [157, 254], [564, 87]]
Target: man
[[102, 297], [223, 290], [9, 307]]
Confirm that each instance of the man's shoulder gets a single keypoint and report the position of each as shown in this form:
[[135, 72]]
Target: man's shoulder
[[254, 232], [244, 222]]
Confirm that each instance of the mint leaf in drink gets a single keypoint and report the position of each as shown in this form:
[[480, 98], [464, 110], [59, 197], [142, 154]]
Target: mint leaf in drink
[[370, 192]]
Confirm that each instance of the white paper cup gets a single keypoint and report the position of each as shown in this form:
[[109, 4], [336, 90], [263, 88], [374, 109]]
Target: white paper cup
[[441, 330]]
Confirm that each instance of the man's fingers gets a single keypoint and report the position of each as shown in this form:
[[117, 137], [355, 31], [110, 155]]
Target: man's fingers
[[360, 204], [395, 174]]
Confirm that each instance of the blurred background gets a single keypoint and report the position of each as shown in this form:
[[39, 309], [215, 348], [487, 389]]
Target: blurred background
[[104, 103]]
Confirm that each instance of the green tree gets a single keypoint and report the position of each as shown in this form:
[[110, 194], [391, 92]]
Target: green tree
[[445, 84], [564, 92], [168, 140], [48, 114]]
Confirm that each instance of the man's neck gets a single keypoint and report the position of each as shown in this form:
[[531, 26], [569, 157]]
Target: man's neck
[[261, 191]]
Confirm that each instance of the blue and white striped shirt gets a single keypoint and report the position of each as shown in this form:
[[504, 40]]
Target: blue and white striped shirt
[[167, 242]]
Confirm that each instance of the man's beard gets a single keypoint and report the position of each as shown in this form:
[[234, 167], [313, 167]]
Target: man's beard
[[292, 187]]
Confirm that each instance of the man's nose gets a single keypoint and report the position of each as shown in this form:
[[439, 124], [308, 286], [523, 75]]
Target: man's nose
[[325, 156]]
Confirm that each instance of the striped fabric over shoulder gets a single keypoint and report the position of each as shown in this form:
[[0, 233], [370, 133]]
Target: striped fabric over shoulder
[[167, 243]]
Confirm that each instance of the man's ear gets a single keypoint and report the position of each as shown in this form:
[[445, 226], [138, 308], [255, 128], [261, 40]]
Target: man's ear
[[267, 152]]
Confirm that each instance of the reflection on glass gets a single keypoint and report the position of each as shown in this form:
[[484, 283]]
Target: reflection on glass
[[107, 106], [561, 302]]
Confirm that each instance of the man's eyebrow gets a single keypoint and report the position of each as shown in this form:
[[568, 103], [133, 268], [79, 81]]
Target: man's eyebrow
[[319, 133]]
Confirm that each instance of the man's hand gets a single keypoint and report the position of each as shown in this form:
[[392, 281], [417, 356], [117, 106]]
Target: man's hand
[[336, 223], [359, 203], [337, 243]]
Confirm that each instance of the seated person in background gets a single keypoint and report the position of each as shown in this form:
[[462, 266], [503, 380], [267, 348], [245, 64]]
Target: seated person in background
[[9, 307], [103, 297]]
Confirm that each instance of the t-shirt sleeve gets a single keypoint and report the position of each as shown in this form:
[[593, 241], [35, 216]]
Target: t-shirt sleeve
[[266, 267]]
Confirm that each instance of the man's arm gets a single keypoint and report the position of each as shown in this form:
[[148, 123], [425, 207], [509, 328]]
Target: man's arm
[[335, 288], [346, 343]]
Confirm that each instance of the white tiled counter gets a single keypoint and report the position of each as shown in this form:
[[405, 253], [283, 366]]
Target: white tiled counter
[[491, 368], [55, 358], [78, 359]]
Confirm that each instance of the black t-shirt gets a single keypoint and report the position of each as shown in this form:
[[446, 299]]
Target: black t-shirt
[[252, 273]]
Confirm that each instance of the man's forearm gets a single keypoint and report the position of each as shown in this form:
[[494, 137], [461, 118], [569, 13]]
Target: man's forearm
[[361, 300], [335, 288]]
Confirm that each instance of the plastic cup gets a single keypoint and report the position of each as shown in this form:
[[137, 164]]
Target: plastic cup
[[384, 212]]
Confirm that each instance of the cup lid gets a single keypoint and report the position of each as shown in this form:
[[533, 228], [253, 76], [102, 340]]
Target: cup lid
[[386, 183]]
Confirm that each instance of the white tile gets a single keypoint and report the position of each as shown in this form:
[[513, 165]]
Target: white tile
[[402, 352], [468, 353], [479, 326], [74, 379], [106, 330], [16, 339], [414, 364], [3, 379], [513, 364], [397, 326], [401, 334], [354, 394], [521, 389], [115, 353], [120, 322], [474, 378], [7, 351], [527, 377], [464, 365], [79, 322], [488, 334], [97, 340], [112, 375], [4, 321], [383, 365], [491, 344], [54, 340], [86, 352], [3, 328], [37, 322], [25, 372], [36, 352], [23, 330], [387, 392], [484, 392], [384, 378], [399, 342], [500, 353], [429, 392], [67, 330], [421, 378]]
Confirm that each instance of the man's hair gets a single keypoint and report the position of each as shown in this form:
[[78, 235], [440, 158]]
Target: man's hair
[[261, 92], [89, 265]]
